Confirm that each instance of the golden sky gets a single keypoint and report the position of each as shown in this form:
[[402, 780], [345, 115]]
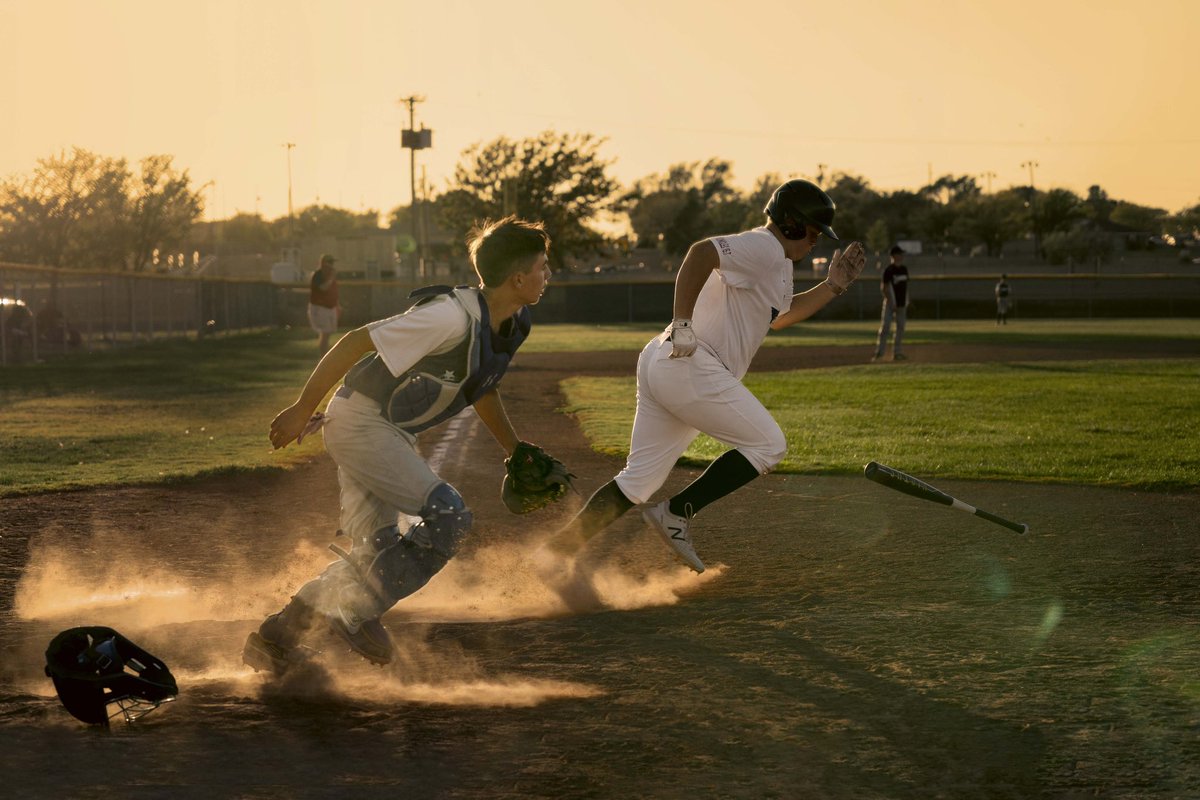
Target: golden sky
[[1099, 92]]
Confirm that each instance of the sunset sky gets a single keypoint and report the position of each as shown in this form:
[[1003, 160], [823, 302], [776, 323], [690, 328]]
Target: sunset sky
[[1094, 92]]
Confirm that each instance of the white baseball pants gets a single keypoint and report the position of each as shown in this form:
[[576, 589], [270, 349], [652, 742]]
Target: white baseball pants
[[380, 473], [679, 398]]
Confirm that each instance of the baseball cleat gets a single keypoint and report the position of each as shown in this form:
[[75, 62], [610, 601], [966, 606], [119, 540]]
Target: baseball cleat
[[263, 656], [369, 639], [674, 531]]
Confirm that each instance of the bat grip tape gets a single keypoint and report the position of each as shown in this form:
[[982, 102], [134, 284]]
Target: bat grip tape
[[1012, 526]]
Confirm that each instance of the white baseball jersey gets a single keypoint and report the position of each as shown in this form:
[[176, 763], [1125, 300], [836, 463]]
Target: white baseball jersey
[[380, 471], [680, 397], [430, 328], [751, 286]]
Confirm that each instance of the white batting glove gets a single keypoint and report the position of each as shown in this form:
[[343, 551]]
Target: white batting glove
[[683, 338], [844, 267], [314, 424]]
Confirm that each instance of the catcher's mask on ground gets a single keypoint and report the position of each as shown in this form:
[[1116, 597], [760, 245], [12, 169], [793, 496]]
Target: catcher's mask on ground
[[95, 667], [798, 203]]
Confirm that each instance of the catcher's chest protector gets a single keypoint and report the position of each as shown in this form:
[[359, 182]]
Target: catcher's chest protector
[[439, 386]]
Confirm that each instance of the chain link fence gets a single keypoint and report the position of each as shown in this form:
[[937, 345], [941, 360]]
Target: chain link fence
[[46, 312]]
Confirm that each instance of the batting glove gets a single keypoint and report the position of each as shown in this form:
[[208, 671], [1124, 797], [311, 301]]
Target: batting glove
[[683, 338], [844, 267]]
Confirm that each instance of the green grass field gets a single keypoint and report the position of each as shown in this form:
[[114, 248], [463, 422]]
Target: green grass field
[[583, 338], [1120, 423], [158, 412], [174, 410]]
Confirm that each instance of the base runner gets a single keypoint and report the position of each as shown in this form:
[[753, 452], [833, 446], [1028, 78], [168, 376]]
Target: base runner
[[730, 290]]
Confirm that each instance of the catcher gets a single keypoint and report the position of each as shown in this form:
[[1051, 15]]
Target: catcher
[[403, 375]]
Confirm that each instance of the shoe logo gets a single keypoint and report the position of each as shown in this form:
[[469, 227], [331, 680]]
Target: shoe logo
[[677, 534]]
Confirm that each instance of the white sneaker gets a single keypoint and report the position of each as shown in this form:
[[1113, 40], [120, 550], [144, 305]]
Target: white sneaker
[[674, 531]]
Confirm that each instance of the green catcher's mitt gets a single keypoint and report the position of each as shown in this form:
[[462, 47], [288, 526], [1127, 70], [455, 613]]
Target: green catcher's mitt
[[534, 479]]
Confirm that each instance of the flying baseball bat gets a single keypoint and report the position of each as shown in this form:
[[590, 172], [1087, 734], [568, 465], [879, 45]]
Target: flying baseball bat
[[903, 482]]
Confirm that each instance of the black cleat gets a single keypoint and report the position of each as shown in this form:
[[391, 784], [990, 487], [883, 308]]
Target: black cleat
[[370, 640], [263, 656]]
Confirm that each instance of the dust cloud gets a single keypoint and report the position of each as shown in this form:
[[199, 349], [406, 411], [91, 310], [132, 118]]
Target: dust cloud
[[196, 619]]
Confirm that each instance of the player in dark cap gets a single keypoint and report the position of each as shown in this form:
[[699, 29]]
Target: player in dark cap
[[894, 288]]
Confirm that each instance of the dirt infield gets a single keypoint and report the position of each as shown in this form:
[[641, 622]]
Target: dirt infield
[[846, 642]]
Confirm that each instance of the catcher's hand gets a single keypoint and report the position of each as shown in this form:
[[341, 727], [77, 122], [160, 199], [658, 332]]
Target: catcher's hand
[[845, 266], [533, 479], [683, 338]]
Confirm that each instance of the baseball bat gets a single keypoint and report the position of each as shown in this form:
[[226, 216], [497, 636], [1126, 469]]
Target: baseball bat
[[903, 482]]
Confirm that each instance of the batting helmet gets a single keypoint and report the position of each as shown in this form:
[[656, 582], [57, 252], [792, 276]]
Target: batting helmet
[[95, 666], [798, 203]]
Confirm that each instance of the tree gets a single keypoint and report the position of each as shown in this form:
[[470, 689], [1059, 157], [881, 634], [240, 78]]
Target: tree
[[1097, 205], [246, 234], [1140, 218], [990, 220], [1057, 211], [1078, 245], [322, 221], [857, 205], [69, 212], [691, 201], [1186, 224], [85, 210], [558, 178], [161, 210], [949, 188], [878, 237], [756, 200]]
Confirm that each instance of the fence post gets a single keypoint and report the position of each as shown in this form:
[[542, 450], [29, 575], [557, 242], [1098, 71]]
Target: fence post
[[3, 326], [87, 301], [132, 322], [33, 333]]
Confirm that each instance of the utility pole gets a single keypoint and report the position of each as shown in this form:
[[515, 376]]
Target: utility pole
[[414, 140], [1032, 165], [291, 218], [987, 176], [1037, 248]]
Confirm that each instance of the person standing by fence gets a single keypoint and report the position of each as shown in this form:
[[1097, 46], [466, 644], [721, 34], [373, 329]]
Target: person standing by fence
[[323, 309], [1003, 292], [893, 285]]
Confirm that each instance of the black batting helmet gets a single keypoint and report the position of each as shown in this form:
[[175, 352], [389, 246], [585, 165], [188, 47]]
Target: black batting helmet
[[798, 203], [93, 667]]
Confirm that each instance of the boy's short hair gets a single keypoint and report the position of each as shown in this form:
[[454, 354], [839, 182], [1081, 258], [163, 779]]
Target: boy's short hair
[[507, 246]]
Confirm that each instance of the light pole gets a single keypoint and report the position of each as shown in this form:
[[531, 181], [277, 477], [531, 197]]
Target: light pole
[[414, 140], [1037, 249], [987, 176], [291, 219]]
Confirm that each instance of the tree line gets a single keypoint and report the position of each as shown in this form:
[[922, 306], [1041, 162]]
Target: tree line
[[85, 210]]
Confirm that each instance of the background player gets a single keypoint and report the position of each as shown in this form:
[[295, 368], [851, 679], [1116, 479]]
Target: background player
[[729, 292], [323, 306], [417, 369], [893, 285], [1003, 293]]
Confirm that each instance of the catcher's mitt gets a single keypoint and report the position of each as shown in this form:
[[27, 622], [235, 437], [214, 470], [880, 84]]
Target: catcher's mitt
[[534, 479]]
